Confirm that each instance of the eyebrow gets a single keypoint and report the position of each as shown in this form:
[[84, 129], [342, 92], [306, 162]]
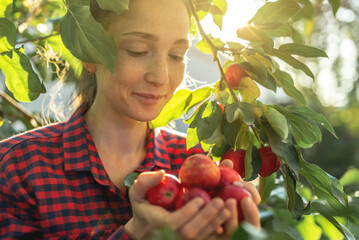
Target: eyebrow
[[152, 37]]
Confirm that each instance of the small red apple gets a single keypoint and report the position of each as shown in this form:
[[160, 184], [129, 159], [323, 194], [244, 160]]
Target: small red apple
[[234, 74], [165, 193], [237, 158], [270, 162], [236, 192], [189, 194], [228, 176], [200, 171]]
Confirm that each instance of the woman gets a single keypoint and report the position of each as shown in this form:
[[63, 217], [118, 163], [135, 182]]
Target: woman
[[65, 181]]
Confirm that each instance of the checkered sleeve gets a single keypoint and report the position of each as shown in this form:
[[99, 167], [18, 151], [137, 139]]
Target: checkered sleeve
[[18, 218]]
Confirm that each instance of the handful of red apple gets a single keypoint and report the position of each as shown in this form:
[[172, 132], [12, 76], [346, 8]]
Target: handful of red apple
[[198, 176]]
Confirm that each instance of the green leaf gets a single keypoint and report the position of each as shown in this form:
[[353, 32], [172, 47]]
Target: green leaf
[[257, 71], [305, 131], [316, 117], [325, 186], [308, 229], [280, 236], [286, 82], [322, 209], [221, 5], [284, 150], [249, 90], [7, 35], [117, 6], [210, 120], [254, 34], [350, 177], [230, 131], [276, 29], [192, 138], [79, 32], [328, 228], [78, 2], [206, 48], [252, 163], [335, 5], [218, 19], [302, 50], [292, 61], [266, 185], [246, 231], [174, 109], [5, 8], [242, 135], [290, 186], [197, 96], [277, 121], [240, 110], [130, 179], [275, 12], [20, 78]]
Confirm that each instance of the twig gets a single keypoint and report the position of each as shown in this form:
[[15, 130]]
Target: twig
[[257, 136], [34, 120], [37, 39], [281, 171], [36, 12], [213, 49]]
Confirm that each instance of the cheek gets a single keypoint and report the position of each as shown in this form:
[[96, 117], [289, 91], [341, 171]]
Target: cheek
[[177, 76]]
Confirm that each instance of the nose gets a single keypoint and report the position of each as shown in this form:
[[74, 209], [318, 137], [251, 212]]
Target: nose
[[157, 71]]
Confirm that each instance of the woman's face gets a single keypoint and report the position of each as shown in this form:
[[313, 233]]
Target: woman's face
[[152, 38]]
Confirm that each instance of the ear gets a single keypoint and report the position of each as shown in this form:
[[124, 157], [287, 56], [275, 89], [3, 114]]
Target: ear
[[91, 67]]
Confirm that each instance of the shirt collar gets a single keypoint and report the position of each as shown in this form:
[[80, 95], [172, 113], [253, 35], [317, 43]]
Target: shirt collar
[[156, 154]]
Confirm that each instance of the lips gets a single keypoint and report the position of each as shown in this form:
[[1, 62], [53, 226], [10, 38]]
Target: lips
[[149, 97]]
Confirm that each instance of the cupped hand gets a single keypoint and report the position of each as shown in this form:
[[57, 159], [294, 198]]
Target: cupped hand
[[193, 221]]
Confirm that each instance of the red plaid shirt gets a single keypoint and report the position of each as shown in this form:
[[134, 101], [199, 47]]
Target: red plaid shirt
[[53, 184]]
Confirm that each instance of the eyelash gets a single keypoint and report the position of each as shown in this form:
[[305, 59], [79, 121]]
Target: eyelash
[[140, 54]]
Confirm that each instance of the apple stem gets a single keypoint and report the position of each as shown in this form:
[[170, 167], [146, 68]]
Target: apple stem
[[214, 50]]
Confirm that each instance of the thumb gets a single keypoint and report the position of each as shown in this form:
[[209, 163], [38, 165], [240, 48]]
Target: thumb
[[145, 181], [226, 163]]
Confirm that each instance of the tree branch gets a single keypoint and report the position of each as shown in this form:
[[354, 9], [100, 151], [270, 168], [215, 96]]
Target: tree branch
[[34, 120], [214, 49], [37, 39]]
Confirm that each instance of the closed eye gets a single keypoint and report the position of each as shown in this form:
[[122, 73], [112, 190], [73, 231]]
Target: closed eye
[[176, 58], [136, 54]]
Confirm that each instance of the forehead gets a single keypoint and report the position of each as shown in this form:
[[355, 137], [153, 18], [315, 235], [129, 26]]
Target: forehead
[[161, 18]]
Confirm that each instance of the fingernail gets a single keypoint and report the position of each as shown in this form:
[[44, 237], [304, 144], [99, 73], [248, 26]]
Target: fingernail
[[218, 203], [238, 183], [199, 202]]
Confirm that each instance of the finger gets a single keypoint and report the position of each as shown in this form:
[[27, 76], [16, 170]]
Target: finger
[[232, 223], [183, 215], [251, 188], [215, 226], [250, 212], [144, 182], [226, 163], [202, 219]]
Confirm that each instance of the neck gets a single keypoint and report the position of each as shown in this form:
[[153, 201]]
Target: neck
[[114, 135]]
